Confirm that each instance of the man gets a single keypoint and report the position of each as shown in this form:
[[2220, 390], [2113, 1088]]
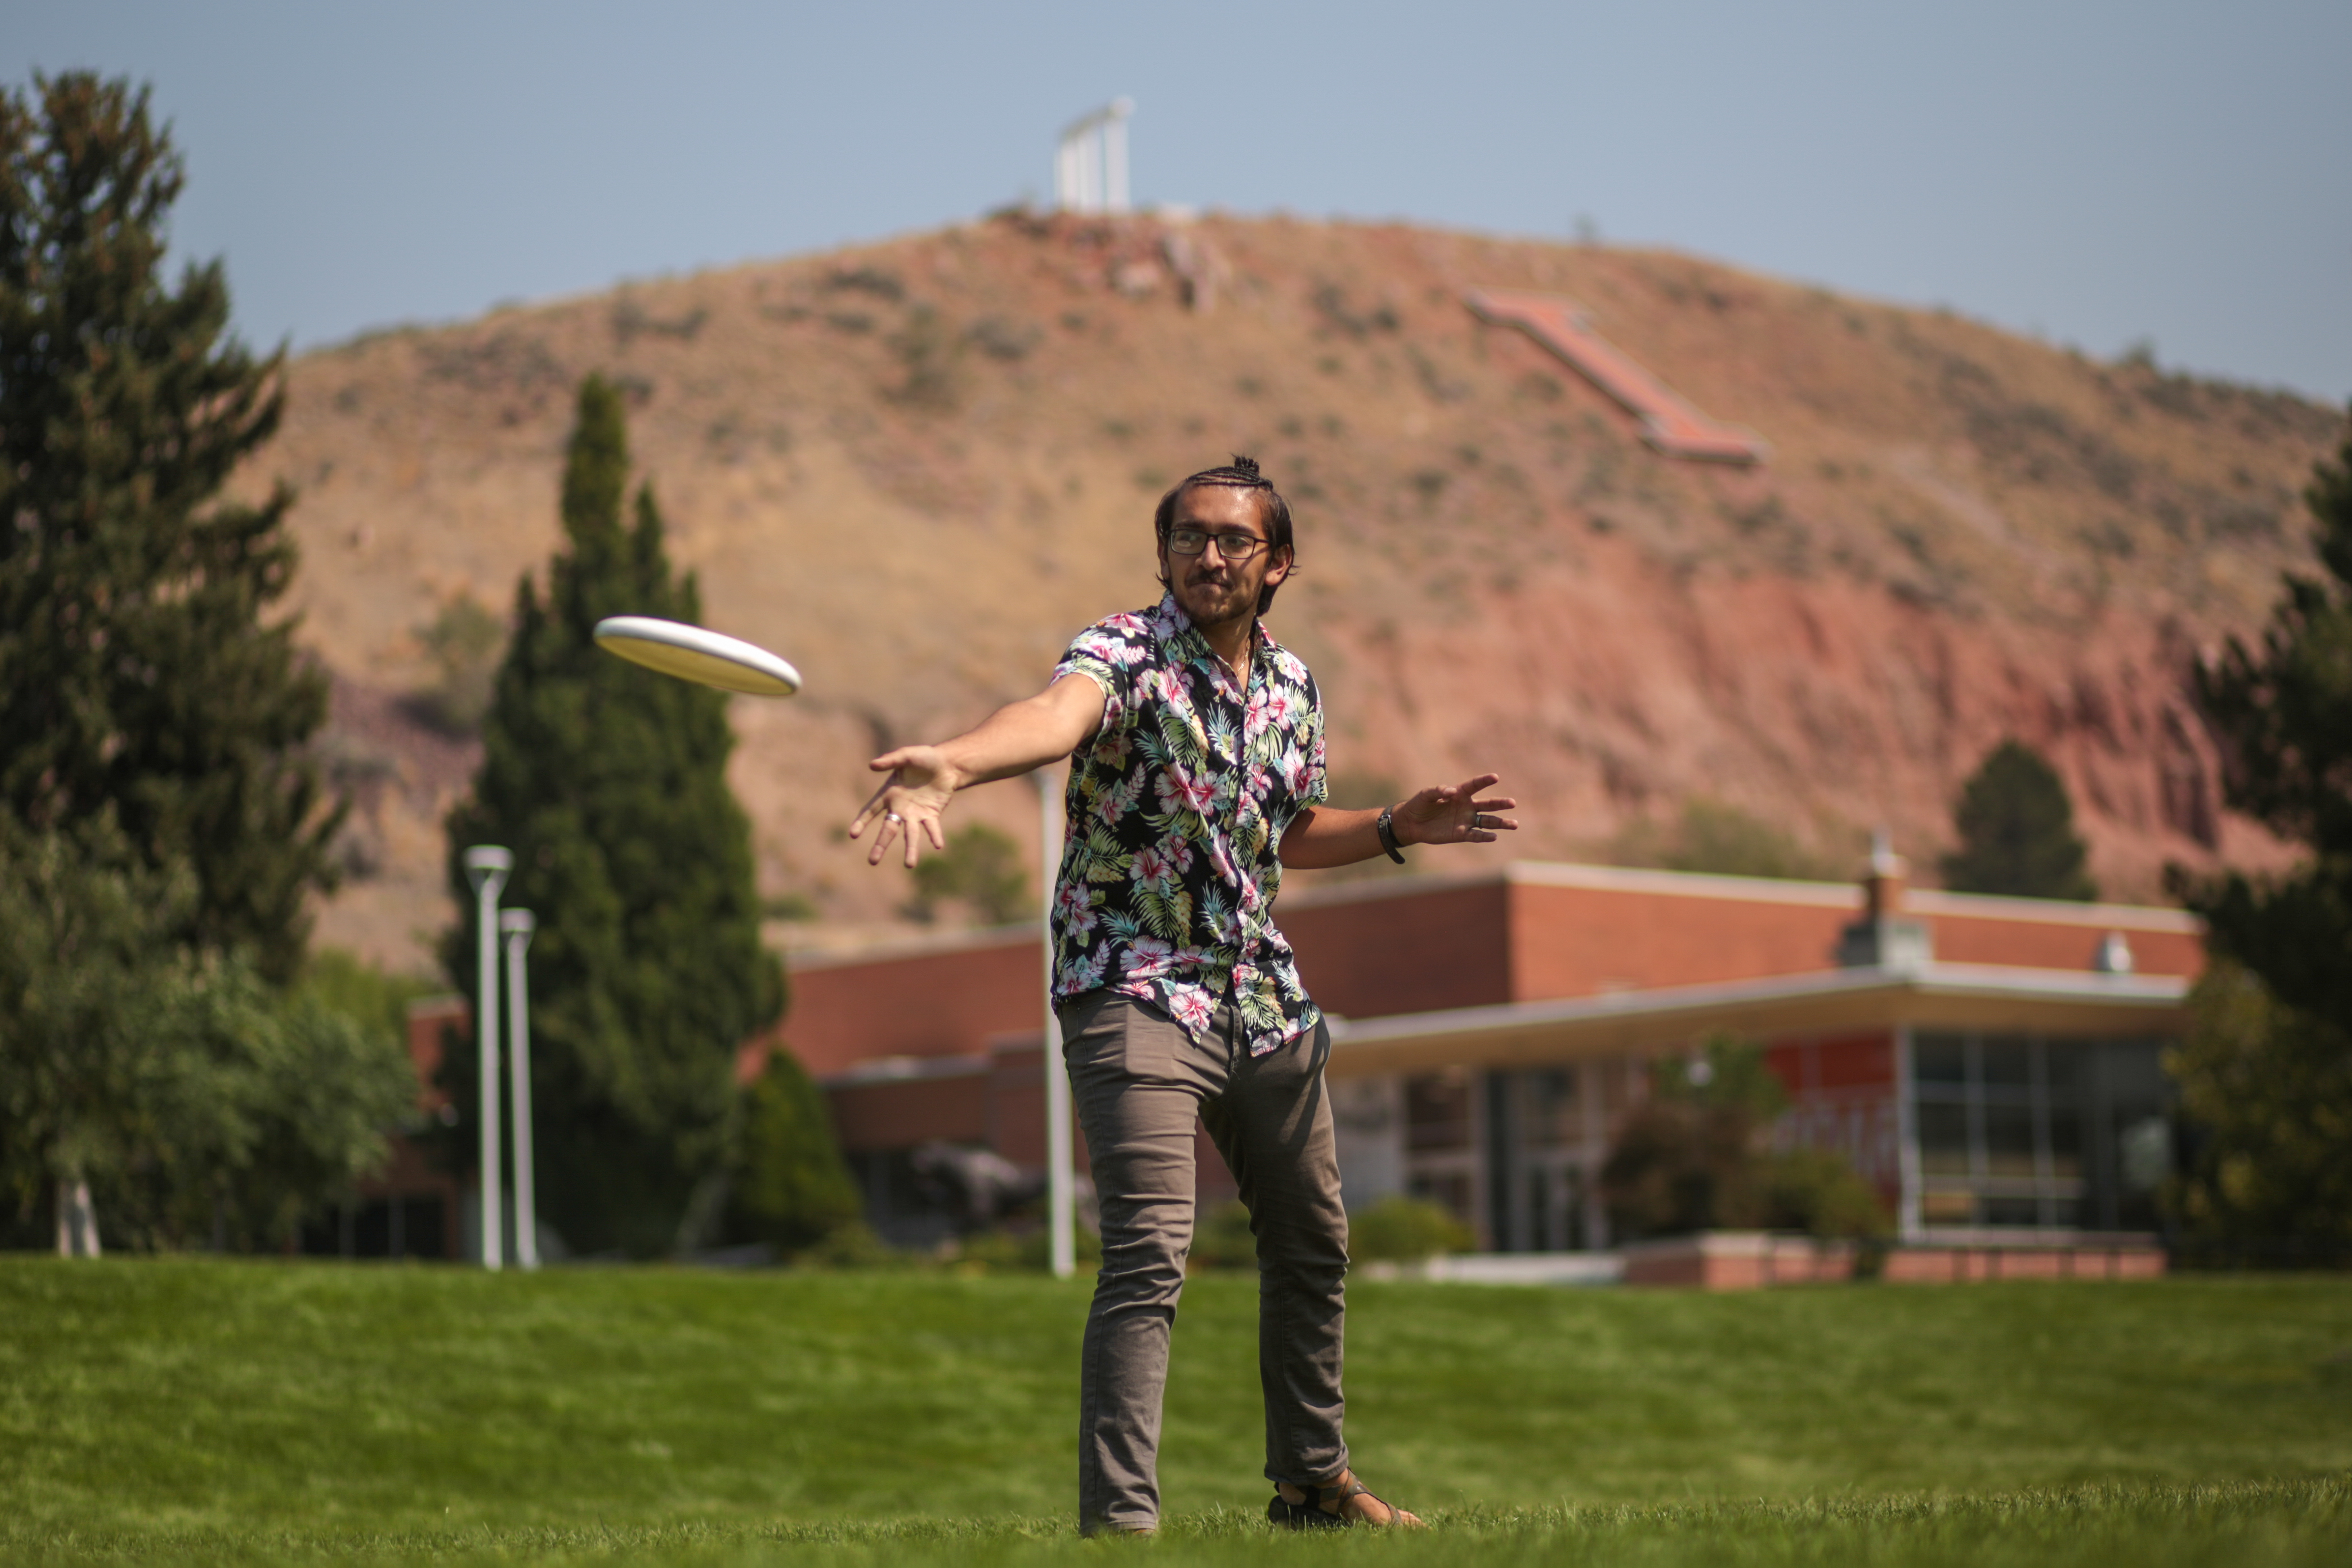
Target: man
[[1198, 776]]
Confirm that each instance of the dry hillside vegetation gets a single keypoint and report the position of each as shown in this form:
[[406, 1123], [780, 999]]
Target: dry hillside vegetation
[[915, 467]]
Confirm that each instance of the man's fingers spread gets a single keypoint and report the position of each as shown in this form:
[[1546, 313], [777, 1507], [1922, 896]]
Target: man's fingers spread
[[869, 811]]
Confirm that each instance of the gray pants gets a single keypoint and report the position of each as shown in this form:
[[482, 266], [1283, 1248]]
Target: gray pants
[[1138, 1081]]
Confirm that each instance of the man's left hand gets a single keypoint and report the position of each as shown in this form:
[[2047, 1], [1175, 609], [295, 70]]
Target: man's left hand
[[1453, 814]]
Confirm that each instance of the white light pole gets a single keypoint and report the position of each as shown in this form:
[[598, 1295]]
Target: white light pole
[[1061, 1235], [486, 866], [518, 925]]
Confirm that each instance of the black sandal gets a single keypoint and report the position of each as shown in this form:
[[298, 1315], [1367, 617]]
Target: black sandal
[[1321, 1512]]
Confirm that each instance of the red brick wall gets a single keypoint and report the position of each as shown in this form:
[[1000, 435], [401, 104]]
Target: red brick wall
[[426, 1019], [1578, 941], [1364, 959], [928, 1005], [2048, 944]]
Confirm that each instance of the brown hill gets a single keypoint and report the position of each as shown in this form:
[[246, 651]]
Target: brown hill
[[915, 467]]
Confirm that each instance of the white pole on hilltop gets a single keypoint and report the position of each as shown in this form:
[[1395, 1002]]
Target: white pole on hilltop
[[486, 866], [518, 925], [1061, 1229], [1114, 133]]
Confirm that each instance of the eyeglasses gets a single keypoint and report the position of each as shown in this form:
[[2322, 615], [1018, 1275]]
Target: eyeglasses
[[1231, 546]]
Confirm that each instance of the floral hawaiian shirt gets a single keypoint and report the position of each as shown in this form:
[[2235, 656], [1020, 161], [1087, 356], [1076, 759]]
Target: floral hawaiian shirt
[[1177, 809]]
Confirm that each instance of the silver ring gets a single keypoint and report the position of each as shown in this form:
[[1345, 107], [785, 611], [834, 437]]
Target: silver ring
[[1477, 822], [892, 817]]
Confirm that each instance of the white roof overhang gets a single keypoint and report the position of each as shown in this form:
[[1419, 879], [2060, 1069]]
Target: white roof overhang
[[1931, 995]]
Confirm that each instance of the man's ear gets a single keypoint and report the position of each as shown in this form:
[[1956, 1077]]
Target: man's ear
[[1277, 563]]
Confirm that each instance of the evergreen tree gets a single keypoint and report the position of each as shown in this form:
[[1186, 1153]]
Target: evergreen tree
[[791, 1188], [138, 674], [2284, 712], [2265, 1077], [2017, 831], [608, 783]]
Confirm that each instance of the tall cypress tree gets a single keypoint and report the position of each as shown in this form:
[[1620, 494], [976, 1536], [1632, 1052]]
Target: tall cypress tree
[[2017, 831], [138, 672], [608, 783]]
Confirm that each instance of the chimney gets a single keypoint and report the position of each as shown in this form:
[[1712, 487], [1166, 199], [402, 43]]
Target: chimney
[[1882, 885], [1882, 938]]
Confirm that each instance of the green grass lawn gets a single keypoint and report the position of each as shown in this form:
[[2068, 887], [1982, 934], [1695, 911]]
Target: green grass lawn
[[194, 1408]]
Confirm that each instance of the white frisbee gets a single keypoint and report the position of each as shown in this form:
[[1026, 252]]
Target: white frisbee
[[693, 653]]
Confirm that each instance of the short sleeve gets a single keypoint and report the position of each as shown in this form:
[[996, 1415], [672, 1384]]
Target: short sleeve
[[1105, 655], [1318, 788]]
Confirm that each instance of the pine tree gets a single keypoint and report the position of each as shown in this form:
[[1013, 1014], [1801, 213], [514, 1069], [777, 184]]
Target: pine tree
[[608, 783], [2284, 712], [139, 673], [2017, 831], [2265, 1077]]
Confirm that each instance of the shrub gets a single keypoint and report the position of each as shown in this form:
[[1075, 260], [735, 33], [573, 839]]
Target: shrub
[[1031, 1248], [1222, 1238], [1398, 1230], [2266, 1090], [1820, 1193], [931, 353], [1722, 840], [464, 643], [856, 1245], [980, 866], [1691, 1158], [791, 1188]]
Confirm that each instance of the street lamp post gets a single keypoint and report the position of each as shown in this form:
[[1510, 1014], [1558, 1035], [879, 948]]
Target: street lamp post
[[486, 866], [518, 925], [1060, 1228]]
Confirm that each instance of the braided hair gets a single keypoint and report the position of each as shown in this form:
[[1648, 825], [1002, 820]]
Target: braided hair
[[1274, 511]]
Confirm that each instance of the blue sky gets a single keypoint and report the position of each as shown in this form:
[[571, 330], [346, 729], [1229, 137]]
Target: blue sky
[[2097, 172]]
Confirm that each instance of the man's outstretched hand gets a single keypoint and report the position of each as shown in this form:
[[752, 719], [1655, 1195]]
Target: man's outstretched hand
[[908, 804], [1453, 814]]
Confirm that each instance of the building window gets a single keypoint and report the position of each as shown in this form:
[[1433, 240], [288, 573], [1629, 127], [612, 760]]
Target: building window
[[1437, 1112], [2015, 1129], [1553, 1117], [1441, 1142]]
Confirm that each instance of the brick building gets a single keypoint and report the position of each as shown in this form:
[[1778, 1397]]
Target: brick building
[[1991, 1064]]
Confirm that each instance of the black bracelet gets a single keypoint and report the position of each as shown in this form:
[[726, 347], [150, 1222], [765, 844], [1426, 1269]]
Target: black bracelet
[[1388, 834]]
